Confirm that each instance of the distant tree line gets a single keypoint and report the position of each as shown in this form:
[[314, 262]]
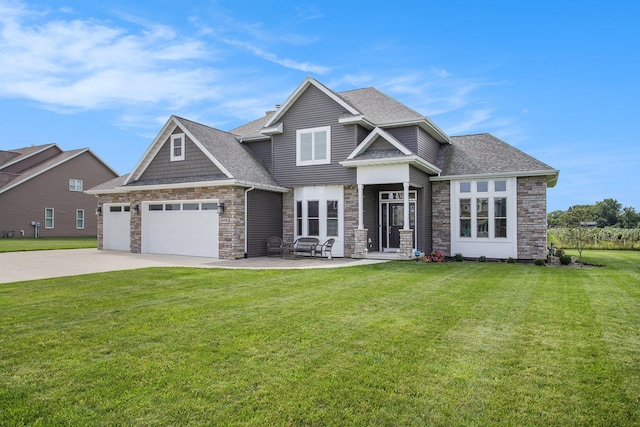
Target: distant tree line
[[607, 213]]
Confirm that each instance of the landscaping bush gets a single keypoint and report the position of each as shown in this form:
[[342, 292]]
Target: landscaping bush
[[511, 260], [458, 257], [565, 259], [539, 262], [482, 259]]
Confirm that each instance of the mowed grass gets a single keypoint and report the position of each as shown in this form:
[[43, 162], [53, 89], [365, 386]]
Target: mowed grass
[[392, 344], [18, 244]]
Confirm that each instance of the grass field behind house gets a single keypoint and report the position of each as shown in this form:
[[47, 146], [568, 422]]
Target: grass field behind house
[[18, 244], [400, 343]]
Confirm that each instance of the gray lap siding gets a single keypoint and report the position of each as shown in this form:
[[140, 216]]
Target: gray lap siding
[[264, 220], [313, 109]]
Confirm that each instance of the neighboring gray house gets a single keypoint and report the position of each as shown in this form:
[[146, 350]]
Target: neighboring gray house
[[356, 166], [42, 187]]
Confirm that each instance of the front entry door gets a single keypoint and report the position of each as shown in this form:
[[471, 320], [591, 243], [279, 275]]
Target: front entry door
[[392, 220]]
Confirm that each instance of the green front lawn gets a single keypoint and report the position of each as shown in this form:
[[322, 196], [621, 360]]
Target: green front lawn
[[401, 343], [17, 244]]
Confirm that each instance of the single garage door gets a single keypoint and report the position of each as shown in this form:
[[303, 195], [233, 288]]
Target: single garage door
[[115, 227], [180, 228]]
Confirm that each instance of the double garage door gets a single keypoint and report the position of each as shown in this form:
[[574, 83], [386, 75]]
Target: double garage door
[[180, 228], [176, 228]]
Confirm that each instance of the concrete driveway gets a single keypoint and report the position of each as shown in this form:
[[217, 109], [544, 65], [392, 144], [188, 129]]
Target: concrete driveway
[[19, 266]]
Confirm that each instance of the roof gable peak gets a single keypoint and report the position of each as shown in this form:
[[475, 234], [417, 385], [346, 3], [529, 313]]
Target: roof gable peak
[[302, 87], [378, 132], [159, 141]]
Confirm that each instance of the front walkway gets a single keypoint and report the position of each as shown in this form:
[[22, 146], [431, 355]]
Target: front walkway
[[20, 266]]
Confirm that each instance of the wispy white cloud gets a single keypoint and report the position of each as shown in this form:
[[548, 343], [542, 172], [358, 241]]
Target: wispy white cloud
[[456, 102], [87, 64], [307, 67]]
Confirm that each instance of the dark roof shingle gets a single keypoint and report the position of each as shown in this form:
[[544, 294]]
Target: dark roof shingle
[[483, 154]]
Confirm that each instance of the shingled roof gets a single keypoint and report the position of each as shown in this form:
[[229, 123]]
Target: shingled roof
[[379, 107], [234, 161], [484, 154], [239, 161], [11, 180]]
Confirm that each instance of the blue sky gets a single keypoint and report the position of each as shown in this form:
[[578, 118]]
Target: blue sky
[[557, 79]]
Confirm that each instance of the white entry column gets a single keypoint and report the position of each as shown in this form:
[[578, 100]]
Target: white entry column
[[406, 207]]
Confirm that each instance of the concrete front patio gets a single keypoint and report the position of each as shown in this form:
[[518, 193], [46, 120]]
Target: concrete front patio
[[20, 266]]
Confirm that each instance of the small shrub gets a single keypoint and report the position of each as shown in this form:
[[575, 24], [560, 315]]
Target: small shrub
[[435, 256], [539, 262], [458, 257], [559, 253], [511, 260], [565, 259], [482, 259]]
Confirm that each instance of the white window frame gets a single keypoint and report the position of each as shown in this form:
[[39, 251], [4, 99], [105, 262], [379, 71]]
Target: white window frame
[[490, 246], [76, 185], [322, 194], [80, 219], [183, 140], [52, 218], [314, 161]]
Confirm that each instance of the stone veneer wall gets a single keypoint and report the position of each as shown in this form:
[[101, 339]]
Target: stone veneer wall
[[231, 223], [350, 219], [532, 217], [441, 216], [288, 220]]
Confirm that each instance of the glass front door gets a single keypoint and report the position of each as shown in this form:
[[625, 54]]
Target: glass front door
[[392, 219]]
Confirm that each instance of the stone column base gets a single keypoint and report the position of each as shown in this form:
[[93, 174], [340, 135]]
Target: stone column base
[[406, 243], [360, 249]]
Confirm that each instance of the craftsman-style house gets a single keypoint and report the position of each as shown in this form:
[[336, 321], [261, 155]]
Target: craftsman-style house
[[356, 166], [42, 191]]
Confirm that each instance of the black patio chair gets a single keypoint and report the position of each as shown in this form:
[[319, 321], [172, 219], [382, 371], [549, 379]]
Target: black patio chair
[[325, 249], [275, 246]]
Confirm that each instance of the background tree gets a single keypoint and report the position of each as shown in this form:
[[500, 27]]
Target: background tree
[[629, 218], [608, 212], [554, 219]]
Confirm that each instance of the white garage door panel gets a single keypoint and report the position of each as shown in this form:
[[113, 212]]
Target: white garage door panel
[[115, 227], [193, 233]]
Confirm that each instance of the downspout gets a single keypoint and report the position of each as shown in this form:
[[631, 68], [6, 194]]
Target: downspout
[[246, 215]]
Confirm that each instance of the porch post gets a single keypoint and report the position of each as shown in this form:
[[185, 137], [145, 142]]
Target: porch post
[[406, 207], [360, 206]]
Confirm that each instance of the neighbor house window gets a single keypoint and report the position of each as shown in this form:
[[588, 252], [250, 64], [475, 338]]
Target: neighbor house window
[[177, 147], [48, 217], [482, 209], [75, 185], [313, 146], [80, 219]]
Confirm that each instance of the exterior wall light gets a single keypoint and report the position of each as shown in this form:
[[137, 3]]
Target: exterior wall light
[[99, 211], [220, 208], [136, 209]]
